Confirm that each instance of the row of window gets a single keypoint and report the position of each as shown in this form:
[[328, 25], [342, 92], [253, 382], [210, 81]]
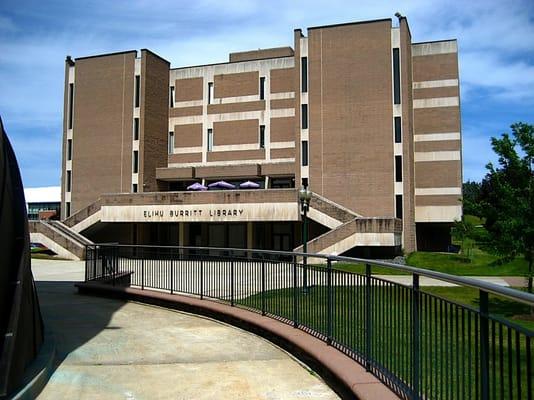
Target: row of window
[[304, 110], [397, 127], [135, 153], [70, 117]]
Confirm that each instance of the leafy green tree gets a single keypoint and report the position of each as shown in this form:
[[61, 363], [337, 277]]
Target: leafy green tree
[[463, 231], [471, 198], [507, 198]]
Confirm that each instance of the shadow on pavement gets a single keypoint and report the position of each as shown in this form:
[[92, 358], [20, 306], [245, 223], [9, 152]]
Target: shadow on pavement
[[73, 319]]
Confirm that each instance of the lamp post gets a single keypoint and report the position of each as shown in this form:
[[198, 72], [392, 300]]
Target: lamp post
[[304, 198]]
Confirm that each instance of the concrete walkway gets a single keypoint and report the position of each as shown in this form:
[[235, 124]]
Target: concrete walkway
[[108, 349]]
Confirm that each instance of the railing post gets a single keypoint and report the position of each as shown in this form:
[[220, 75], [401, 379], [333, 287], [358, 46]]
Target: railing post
[[416, 342], [262, 287], [172, 274], [201, 279], [368, 322], [232, 283], [330, 303], [295, 293], [484, 345], [87, 258], [142, 273]]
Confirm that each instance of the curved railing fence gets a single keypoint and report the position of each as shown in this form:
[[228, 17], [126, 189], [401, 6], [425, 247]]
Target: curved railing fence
[[420, 344]]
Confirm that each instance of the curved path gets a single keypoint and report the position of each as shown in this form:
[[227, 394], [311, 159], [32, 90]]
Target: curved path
[[109, 349]]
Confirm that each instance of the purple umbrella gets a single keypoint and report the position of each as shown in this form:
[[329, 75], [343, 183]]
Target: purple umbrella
[[197, 186], [221, 185], [249, 185]]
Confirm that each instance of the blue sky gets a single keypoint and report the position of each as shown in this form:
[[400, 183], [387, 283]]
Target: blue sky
[[496, 49]]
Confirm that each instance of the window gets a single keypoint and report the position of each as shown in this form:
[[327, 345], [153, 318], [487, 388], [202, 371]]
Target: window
[[67, 209], [135, 168], [210, 93], [304, 73], [304, 153], [71, 101], [137, 89], [398, 168], [210, 139], [134, 188], [262, 88], [262, 136], [69, 149], [171, 96], [69, 181], [171, 142], [136, 128], [396, 77], [398, 206], [282, 183], [398, 130], [304, 116]]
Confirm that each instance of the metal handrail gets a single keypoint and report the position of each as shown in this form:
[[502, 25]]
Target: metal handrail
[[509, 293], [395, 330]]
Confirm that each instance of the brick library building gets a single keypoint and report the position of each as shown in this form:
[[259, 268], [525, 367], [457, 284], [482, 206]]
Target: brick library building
[[364, 119]]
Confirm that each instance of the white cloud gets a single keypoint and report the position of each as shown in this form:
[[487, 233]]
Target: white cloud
[[495, 42]]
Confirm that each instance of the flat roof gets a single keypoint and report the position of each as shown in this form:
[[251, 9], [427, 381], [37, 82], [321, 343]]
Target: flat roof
[[47, 194]]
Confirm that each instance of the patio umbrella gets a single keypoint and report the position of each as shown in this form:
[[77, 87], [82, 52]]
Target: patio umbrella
[[221, 185], [249, 185], [197, 186]]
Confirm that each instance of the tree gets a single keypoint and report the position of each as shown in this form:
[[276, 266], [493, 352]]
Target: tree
[[463, 232], [471, 197], [507, 198]]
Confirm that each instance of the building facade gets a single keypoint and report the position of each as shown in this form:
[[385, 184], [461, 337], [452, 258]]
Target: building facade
[[366, 119]]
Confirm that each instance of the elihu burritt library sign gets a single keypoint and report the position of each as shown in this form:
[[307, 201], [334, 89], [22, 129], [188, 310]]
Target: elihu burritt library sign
[[201, 212]]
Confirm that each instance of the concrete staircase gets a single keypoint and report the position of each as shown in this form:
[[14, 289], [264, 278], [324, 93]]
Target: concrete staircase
[[328, 213], [85, 217], [349, 229], [59, 238]]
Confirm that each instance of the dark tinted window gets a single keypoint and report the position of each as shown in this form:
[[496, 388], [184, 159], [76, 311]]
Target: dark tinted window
[[398, 205], [396, 77], [304, 71], [304, 116], [398, 130], [398, 168]]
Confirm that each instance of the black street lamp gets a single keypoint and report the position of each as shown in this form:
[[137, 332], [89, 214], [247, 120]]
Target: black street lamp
[[305, 195]]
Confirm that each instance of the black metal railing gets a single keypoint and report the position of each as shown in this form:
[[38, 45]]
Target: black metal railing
[[420, 344]]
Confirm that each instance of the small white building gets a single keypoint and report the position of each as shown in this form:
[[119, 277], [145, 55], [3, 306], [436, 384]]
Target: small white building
[[42, 199]]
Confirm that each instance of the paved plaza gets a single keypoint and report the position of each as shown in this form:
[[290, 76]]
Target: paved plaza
[[109, 349]]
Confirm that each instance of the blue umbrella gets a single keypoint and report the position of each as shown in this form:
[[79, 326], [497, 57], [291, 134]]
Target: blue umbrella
[[221, 185], [249, 185], [197, 186]]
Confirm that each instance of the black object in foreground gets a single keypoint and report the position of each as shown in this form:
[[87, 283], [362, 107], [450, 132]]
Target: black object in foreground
[[21, 325]]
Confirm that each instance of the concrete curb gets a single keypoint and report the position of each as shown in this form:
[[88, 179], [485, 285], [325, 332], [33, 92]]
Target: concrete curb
[[344, 375], [39, 371]]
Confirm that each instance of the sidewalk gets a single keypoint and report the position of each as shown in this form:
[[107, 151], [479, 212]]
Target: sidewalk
[[109, 349]]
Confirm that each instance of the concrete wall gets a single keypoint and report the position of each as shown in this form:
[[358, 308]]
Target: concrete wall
[[154, 119], [350, 116], [102, 127], [438, 164]]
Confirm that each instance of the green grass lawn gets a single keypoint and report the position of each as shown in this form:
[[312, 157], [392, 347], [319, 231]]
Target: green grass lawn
[[480, 264], [448, 335]]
